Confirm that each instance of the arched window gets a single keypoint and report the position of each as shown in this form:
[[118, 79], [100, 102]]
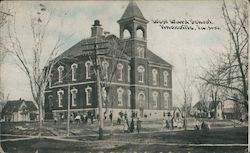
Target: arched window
[[60, 73], [119, 71], [129, 98], [50, 79], [126, 34], [166, 100], [165, 78], [60, 97], [139, 33], [155, 75], [105, 66], [129, 70], [73, 69], [120, 96], [140, 51], [73, 96], [104, 94], [141, 99], [155, 99], [141, 70], [88, 65], [88, 92]]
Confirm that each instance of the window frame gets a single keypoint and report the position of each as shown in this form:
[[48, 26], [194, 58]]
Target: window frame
[[154, 76], [140, 70], [88, 65], [88, 91], [60, 94], [60, 73], [120, 68], [73, 71], [120, 92], [73, 98]]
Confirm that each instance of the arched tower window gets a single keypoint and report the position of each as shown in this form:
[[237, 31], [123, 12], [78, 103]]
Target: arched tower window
[[129, 72], [140, 33], [129, 97], [141, 70], [126, 34]]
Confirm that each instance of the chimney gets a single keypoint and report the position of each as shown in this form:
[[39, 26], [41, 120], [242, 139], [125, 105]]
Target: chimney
[[96, 29]]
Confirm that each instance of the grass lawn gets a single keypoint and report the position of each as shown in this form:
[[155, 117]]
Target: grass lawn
[[144, 142]]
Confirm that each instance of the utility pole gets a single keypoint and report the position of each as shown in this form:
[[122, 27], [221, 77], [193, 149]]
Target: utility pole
[[68, 118]]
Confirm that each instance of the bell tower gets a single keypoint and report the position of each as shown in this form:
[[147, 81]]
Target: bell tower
[[133, 30]]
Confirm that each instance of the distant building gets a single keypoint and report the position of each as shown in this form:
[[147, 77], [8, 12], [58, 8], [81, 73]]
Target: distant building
[[19, 110], [141, 81]]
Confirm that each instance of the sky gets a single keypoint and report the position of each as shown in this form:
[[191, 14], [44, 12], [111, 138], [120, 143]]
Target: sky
[[184, 49]]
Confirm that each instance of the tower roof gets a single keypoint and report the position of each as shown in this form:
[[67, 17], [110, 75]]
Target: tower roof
[[132, 11]]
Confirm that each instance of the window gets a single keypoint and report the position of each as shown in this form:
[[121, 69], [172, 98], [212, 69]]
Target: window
[[60, 73], [60, 97], [129, 98], [129, 70], [166, 100], [140, 51], [119, 95], [50, 99], [141, 70], [88, 91], [126, 34], [104, 94], [154, 73], [73, 69], [50, 80], [73, 98], [119, 71], [139, 33], [141, 99], [165, 77], [88, 65], [105, 66], [155, 99]]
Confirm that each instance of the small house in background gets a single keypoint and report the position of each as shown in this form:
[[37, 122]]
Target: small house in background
[[19, 110]]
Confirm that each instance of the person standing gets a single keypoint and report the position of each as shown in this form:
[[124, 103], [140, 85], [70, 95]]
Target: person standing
[[132, 126], [110, 116], [138, 127]]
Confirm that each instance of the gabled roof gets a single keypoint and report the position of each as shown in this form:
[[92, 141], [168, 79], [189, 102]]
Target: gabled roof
[[14, 106], [156, 59], [132, 11]]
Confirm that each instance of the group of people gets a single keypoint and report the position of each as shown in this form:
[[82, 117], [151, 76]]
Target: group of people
[[77, 118], [130, 127]]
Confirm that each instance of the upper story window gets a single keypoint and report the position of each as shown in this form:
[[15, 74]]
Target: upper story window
[[73, 69], [50, 80], [88, 65], [166, 100], [105, 66], [165, 78], [139, 34], [141, 70], [155, 99], [73, 96], [119, 71], [104, 94], [60, 73], [88, 92], [129, 98], [129, 73], [60, 97], [120, 96], [126, 34], [155, 75], [140, 51]]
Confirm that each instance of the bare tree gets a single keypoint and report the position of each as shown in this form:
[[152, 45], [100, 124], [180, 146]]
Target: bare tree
[[37, 64], [230, 72]]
